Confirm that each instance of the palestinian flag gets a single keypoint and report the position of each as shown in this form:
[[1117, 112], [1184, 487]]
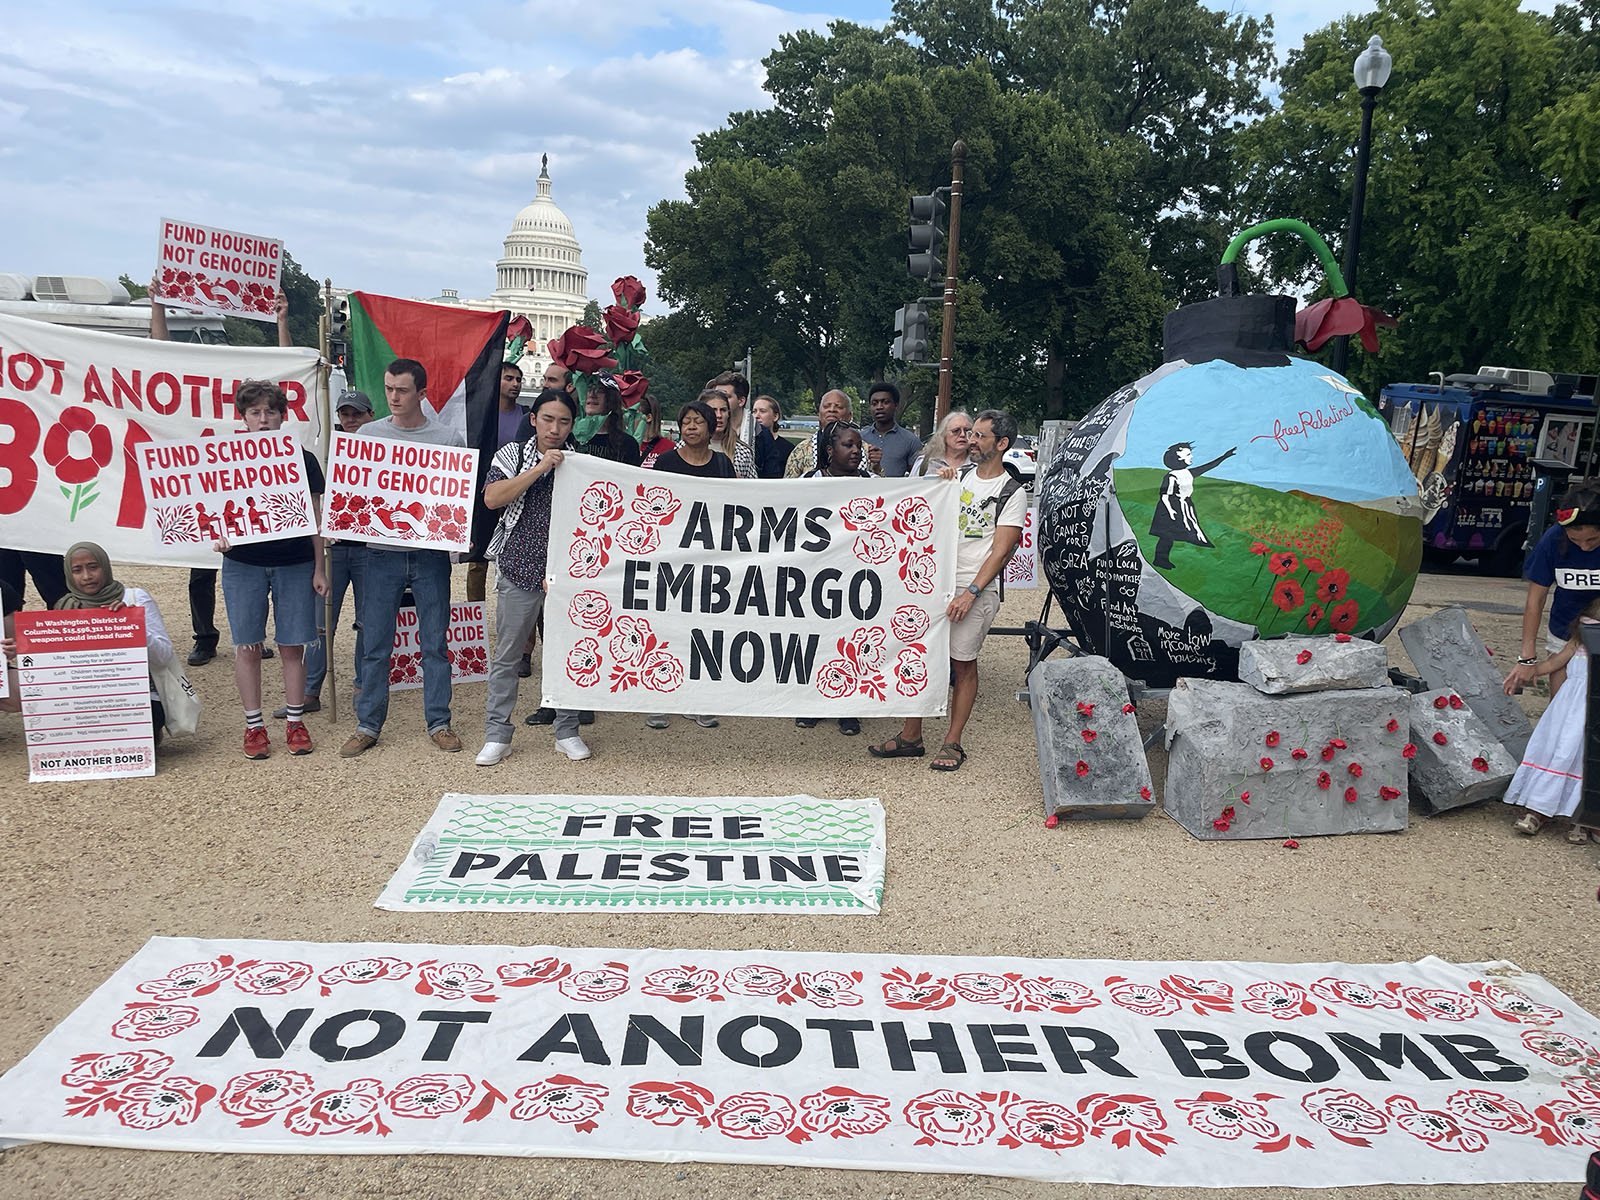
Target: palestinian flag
[[461, 351]]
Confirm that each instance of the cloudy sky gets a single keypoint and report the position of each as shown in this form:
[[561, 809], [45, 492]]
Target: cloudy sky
[[388, 145]]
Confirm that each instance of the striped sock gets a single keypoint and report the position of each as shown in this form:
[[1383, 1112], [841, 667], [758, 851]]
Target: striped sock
[[295, 712], [252, 719]]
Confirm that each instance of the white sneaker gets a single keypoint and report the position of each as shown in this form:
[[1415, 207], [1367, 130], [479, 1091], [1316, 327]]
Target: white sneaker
[[492, 753], [657, 721], [707, 722], [573, 747]]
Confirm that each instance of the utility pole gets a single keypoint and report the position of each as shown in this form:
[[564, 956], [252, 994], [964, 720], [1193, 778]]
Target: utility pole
[[947, 339], [325, 420]]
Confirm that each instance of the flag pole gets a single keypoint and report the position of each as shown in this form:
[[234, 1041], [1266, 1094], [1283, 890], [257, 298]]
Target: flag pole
[[326, 419]]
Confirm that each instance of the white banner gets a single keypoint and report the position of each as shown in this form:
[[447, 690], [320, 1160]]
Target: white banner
[[1173, 1074], [399, 494], [811, 598], [219, 271], [246, 487], [84, 675], [466, 642], [644, 853], [74, 408], [1023, 569]]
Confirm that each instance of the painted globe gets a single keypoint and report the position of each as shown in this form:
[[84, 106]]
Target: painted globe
[[1238, 491]]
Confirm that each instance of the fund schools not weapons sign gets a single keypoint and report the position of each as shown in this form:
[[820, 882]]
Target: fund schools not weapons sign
[[245, 487], [1181, 1074], [671, 593], [75, 407], [404, 495]]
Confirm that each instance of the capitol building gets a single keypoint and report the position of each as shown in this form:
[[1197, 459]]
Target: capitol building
[[540, 275]]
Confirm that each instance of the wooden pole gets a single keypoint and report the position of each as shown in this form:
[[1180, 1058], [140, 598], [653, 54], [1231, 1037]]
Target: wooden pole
[[326, 419], [947, 337]]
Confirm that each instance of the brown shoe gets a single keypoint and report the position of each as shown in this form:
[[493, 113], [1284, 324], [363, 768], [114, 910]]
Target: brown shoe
[[446, 740], [359, 743]]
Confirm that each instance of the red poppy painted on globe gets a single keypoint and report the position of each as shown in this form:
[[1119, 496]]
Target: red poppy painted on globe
[[1238, 491]]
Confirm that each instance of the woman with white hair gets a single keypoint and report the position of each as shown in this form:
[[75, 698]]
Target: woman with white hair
[[949, 445]]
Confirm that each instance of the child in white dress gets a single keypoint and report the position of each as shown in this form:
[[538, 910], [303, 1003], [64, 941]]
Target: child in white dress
[[1549, 783]]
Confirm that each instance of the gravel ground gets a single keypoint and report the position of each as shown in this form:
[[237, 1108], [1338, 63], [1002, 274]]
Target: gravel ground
[[298, 848]]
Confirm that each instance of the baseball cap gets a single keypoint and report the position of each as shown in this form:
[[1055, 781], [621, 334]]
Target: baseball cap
[[354, 399]]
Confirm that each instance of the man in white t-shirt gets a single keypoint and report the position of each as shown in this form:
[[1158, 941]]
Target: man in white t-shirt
[[989, 527]]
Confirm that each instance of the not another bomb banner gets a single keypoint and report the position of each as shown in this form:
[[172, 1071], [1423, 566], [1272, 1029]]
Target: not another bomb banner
[[1163, 1074], [794, 854], [76, 406], [669, 593]]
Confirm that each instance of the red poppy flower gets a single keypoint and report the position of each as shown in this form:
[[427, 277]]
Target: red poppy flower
[[1220, 825], [1283, 564], [1086, 709], [1334, 586], [1393, 725], [1343, 616], [1260, 548], [1291, 844], [1481, 764], [1266, 764], [1317, 323], [1314, 615], [1338, 743], [1311, 564], [69, 467], [1327, 754], [1439, 738], [1389, 793], [1144, 793], [1341, 637], [1349, 795], [1052, 821], [1297, 754], [1441, 702], [1082, 768], [1272, 738], [1455, 701], [1288, 595], [1409, 751], [1228, 813], [1126, 709], [1324, 780], [1244, 797], [1303, 657], [1355, 770], [1089, 735]]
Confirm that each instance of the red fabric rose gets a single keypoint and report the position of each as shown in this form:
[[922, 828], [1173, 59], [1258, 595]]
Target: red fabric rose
[[621, 324], [632, 385], [629, 291], [581, 349], [1126, 709], [1315, 324]]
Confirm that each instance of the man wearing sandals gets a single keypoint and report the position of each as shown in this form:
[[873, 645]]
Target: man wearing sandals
[[993, 507]]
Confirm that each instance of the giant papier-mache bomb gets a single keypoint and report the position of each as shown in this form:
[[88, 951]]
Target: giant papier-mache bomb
[[1237, 491]]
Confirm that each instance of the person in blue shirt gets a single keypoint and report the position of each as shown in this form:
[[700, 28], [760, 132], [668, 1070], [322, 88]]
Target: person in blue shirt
[[1566, 561]]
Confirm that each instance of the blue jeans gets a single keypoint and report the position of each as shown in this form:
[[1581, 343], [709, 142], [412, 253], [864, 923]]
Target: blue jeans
[[347, 570], [245, 588], [389, 573]]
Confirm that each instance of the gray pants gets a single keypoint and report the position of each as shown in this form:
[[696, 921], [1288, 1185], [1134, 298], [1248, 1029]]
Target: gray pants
[[516, 612]]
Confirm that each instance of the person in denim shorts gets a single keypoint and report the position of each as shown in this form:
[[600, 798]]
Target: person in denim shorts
[[291, 572]]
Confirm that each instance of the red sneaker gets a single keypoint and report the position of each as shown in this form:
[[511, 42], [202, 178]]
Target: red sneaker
[[256, 743], [298, 737]]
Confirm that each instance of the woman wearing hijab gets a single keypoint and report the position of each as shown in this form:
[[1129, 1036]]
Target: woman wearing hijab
[[90, 584]]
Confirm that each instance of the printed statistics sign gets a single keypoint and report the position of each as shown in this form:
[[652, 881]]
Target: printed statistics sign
[[404, 495], [75, 407], [245, 487], [466, 642], [672, 853], [1267, 1075], [821, 598], [219, 271], [85, 686]]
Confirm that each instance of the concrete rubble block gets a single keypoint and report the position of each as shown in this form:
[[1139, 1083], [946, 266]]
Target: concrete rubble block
[[1448, 653], [1091, 757], [1468, 765], [1244, 765], [1274, 667]]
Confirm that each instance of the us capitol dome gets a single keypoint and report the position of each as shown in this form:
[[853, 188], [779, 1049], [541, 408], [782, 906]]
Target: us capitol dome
[[540, 275]]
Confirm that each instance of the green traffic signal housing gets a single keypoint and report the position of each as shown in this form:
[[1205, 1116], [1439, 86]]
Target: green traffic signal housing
[[923, 260]]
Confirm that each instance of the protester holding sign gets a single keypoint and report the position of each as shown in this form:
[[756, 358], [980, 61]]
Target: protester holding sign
[[90, 584], [291, 571], [993, 507], [391, 571], [519, 485]]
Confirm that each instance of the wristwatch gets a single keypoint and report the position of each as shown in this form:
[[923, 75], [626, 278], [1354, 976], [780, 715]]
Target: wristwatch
[[974, 589]]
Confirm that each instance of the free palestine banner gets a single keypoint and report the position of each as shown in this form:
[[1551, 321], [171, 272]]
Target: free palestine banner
[[76, 405], [1178, 1074], [818, 598], [794, 854]]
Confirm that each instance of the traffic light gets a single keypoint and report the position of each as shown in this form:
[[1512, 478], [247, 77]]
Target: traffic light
[[923, 260], [910, 345], [339, 321]]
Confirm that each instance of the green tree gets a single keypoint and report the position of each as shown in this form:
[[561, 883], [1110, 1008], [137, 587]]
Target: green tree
[[593, 318], [1481, 231]]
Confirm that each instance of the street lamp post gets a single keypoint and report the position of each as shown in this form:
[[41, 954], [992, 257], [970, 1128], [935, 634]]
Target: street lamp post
[[1372, 72]]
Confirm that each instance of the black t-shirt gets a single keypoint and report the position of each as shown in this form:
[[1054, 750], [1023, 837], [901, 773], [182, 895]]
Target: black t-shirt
[[286, 551], [720, 466], [10, 599], [618, 447]]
